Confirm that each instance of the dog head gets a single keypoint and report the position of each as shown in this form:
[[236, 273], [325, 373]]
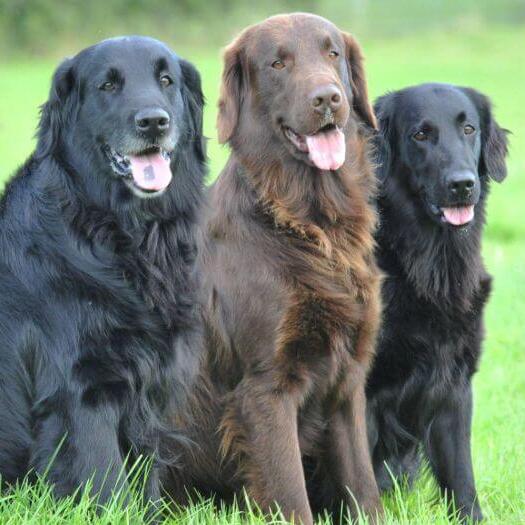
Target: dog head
[[122, 111], [440, 143], [295, 86]]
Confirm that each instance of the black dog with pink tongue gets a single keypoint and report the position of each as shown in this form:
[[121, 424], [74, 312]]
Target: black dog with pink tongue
[[97, 244], [438, 146]]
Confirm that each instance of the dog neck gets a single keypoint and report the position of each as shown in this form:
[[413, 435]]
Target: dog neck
[[299, 195], [326, 215], [143, 243]]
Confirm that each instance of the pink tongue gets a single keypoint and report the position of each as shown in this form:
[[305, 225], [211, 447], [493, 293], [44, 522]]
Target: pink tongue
[[460, 215], [151, 172], [327, 149]]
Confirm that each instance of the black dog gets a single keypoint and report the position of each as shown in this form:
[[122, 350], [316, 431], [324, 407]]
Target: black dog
[[439, 146], [96, 256]]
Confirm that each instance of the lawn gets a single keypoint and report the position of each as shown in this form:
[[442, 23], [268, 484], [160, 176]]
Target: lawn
[[490, 60]]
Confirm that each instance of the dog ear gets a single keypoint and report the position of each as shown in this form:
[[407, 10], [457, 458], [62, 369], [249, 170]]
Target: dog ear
[[494, 141], [231, 93], [354, 59], [194, 100], [55, 112], [385, 136]]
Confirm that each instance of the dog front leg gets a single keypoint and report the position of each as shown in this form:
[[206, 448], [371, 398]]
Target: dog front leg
[[260, 427], [448, 449], [348, 458], [77, 447]]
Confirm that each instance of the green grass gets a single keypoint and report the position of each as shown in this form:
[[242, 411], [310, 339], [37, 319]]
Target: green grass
[[492, 61]]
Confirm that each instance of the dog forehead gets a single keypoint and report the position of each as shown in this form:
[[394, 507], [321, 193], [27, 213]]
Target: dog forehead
[[127, 53], [437, 102], [291, 33]]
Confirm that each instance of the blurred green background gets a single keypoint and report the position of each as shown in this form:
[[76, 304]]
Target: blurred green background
[[44, 27], [477, 43]]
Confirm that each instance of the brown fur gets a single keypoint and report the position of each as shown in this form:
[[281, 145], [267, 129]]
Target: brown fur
[[290, 290]]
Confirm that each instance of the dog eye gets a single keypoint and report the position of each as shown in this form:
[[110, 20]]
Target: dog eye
[[468, 129], [333, 54], [278, 64], [165, 81], [420, 136], [107, 86]]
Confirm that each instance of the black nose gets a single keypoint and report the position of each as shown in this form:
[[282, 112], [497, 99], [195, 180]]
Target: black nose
[[460, 184], [326, 97], [152, 122]]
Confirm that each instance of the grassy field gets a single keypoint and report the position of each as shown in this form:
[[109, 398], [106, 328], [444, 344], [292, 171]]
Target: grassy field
[[491, 60]]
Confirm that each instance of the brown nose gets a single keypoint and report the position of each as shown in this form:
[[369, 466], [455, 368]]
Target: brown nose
[[326, 97]]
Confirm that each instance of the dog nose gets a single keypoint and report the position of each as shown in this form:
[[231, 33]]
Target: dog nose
[[152, 121], [326, 97], [460, 184]]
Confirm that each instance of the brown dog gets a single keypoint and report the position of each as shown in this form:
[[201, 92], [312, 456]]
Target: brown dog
[[290, 285]]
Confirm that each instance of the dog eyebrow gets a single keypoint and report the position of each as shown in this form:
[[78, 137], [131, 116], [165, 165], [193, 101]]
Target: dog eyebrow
[[326, 42], [114, 75], [461, 117], [161, 64], [282, 52]]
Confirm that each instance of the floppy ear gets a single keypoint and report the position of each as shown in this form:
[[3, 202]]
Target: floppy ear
[[494, 142], [194, 100], [385, 136], [354, 59], [55, 113], [232, 92]]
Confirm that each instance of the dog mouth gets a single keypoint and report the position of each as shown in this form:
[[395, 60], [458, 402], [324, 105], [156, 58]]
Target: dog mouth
[[326, 148], [147, 172], [457, 216]]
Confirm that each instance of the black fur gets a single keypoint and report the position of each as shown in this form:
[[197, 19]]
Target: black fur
[[419, 391], [97, 299]]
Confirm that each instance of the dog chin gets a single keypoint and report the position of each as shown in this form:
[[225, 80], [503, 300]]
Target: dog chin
[[142, 194]]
